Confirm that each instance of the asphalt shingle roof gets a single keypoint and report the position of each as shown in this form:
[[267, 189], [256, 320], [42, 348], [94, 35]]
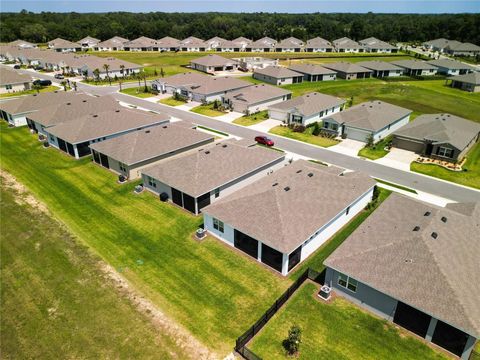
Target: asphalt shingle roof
[[309, 104]]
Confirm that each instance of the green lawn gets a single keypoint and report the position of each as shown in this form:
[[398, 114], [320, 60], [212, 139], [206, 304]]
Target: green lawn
[[30, 92], [353, 59], [138, 92], [211, 290], [376, 151], [251, 79], [470, 177], [55, 300], [171, 101], [305, 136], [421, 96], [337, 330], [249, 120], [207, 110]]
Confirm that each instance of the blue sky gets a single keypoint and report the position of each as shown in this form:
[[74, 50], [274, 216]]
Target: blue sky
[[292, 6]]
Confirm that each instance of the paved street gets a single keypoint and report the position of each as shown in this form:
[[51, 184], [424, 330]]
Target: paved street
[[412, 180]]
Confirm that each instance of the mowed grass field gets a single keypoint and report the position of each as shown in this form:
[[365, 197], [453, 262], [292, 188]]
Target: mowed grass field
[[336, 330], [55, 300], [209, 288], [421, 96]]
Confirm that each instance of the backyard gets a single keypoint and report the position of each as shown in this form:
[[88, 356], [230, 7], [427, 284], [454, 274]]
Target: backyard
[[336, 330], [469, 177], [305, 136], [56, 300]]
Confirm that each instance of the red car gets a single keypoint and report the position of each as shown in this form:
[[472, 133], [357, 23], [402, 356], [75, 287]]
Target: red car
[[264, 140]]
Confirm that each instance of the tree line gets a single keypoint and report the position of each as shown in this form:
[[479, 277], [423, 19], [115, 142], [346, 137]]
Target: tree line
[[45, 26]]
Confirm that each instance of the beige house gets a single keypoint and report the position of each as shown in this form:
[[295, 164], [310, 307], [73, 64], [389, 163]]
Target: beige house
[[12, 81], [213, 63], [255, 98]]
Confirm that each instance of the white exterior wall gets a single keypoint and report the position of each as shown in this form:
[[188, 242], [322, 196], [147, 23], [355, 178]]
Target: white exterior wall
[[253, 108], [329, 77], [17, 119], [317, 117], [320, 50], [339, 221], [228, 235], [15, 88], [429, 72], [393, 127], [160, 188]]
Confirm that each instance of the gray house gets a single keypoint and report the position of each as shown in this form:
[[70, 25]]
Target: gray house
[[278, 75], [451, 67], [415, 264], [306, 109], [468, 82], [381, 69], [213, 63], [313, 72], [374, 45], [376, 119], [255, 98], [290, 44], [197, 178], [416, 67], [439, 136], [264, 44], [281, 219], [129, 154], [318, 44], [347, 45], [349, 71]]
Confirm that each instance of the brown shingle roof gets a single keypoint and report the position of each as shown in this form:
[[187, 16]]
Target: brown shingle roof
[[435, 275], [287, 207], [29, 103], [9, 76], [256, 93], [277, 72], [213, 60], [204, 84], [309, 104], [312, 69], [346, 67]]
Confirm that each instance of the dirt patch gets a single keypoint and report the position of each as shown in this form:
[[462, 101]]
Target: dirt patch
[[22, 195]]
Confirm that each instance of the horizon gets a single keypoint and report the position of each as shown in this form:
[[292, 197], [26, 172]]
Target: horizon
[[249, 6]]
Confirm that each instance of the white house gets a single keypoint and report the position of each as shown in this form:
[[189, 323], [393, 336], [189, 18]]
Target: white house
[[283, 218], [255, 98], [12, 81], [88, 42], [113, 44], [213, 63], [451, 67], [278, 75], [318, 44], [264, 44], [62, 45]]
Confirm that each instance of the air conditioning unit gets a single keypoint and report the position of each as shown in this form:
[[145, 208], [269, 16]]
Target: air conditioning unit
[[163, 196], [121, 179], [138, 189], [325, 292], [200, 233]]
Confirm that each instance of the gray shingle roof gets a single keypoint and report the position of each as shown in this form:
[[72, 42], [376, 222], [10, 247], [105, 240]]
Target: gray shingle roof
[[285, 219], [346, 67], [290, 42], [213, 60], [374, 43], [414, 64], [9, 76], [435, 275], [441, 128], [256, 93], [318, 42], [193, 41], [277, 72], [90, 127], [379, 65], [168, 42], [309, 104], [312, 69], [204, 170], [346, 43], [140, 42], [450, 64], [264, 42], [115, 41], [471, 78], [153, 142], [59, 43], [371, 115], [29, 103]]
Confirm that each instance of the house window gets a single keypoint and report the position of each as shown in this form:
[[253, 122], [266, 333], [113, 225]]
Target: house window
[[52, 138], [297, 119], [217, 192], [445, 152], [218, 225], [8, 87], [335, 127], [123, 167], [151, 181], [347, 211], [347, 282]]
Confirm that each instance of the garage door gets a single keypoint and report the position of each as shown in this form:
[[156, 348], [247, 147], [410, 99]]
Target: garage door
[[277, 115], [408, 145], [355, 134]]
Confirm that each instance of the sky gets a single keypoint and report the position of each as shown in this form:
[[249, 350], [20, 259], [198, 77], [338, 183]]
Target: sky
[[292, 6]]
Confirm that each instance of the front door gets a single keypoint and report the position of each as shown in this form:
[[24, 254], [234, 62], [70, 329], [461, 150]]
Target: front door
[[428, 149]]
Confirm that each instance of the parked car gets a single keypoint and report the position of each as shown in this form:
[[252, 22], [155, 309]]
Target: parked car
[[59, 76], [16, 66], [264, 140], [42, 82]]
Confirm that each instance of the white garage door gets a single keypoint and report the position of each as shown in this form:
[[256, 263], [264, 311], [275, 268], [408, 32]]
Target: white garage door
[[277, 115], [356, 134]]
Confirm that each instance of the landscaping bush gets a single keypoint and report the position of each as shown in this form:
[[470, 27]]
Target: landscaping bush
[[293, 341], [316, 129], [299, 128]]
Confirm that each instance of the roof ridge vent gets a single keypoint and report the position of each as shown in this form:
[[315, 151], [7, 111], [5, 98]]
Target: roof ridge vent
[[310, 174], [275, 184], [444, 219], [416, 228], [299, 171], [434, 235], [427, 213], [95, 115], [224, 145], [207, 152], [286, 188], [117, 111]]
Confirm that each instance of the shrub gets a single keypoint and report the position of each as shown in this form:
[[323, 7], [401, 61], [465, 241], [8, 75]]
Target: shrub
[[298, 128], [293, 341], [316, 129]]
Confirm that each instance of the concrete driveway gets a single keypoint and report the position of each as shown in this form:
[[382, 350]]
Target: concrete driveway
[[189, 105], [398, 159], [348, 147], [232, 115]]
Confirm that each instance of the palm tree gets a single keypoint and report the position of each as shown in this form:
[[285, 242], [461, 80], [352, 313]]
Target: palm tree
[[85, 74], [106, 67], [96, 74], [122, 70], [36, 87]]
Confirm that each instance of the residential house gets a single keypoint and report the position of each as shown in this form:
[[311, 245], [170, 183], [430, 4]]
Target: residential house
[[372, 119], [313, 72], [381, 69], [200, 177], [290, 44], [88, 42], [451, 67], [347, 45], [438, 44], [468, 82], [349, 71], [229, 46], [255, 98], [462, 49], [283, 218], [168, 43], [412, 263], [113, 44], [61, 45], [264, 44], [278, 75], [252, 63], [142, 43], [416, 67], [213, 63], [243, 42], [306, 109], [22, 44], [75, 137], [15, 111], [213, 43], [68, 109], [439, 136], [12, 81], [374, 45], [193, 44], [198, 87], [129, 154], [318, 44]]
